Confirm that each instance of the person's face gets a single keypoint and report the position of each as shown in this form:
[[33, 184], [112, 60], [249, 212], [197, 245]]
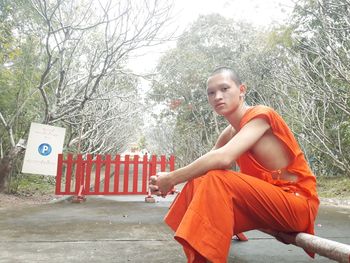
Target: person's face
[[224, 94]]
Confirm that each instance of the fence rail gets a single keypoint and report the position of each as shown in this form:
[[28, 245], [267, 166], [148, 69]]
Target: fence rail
[[104, 175]]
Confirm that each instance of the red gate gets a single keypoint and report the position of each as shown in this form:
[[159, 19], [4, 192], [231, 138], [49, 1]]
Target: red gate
[[103, 175]]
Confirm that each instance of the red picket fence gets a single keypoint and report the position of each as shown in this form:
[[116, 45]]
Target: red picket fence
[[104, 175]]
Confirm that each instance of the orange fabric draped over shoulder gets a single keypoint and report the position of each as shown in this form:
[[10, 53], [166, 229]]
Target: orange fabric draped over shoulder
[[306, 180], [212, 208]]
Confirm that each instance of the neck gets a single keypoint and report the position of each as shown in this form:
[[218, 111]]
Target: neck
[[235, 117]]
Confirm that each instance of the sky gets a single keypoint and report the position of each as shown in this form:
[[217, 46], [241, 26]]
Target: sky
[[260, 13]]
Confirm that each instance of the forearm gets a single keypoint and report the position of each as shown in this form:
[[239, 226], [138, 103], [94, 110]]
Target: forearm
[[210, 161]]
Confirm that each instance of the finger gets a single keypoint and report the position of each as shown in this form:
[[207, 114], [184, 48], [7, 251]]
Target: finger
[[161, 173], [154, 188], [158, 193], [153, 179]]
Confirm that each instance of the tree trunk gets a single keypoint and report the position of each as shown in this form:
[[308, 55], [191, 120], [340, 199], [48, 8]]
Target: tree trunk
[[6, 164]]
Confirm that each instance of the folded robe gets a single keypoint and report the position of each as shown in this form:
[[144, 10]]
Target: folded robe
[[212, 208]]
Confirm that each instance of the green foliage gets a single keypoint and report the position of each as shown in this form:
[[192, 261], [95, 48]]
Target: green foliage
[[301, 69], [210, 42], [29, 185], [6, 25], [280, 37], [16, 82], [321, 39], [142, 143]]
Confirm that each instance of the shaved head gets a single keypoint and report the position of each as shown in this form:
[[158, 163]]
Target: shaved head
[[230, 72]]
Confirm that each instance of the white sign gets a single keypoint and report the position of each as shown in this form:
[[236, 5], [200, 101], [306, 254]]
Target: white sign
[[45, 142]]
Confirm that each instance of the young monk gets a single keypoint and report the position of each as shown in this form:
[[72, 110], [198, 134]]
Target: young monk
[[275, 188]]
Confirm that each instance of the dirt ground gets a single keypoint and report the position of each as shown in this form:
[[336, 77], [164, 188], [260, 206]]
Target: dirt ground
[[9, 200]]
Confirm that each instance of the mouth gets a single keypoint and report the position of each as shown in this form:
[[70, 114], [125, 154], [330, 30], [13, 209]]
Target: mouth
[[219, 105]]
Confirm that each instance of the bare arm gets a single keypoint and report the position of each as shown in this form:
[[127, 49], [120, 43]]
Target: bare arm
[[224, 156], [225, 136], [220, 158]]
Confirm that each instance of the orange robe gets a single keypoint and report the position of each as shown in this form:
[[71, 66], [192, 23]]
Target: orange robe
[[212, 208]]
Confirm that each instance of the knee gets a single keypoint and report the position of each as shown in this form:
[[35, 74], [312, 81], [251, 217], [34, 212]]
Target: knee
[[219, 176], [215, 173], [229, 179]]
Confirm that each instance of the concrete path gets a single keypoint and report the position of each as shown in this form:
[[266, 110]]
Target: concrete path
[[126, 229]]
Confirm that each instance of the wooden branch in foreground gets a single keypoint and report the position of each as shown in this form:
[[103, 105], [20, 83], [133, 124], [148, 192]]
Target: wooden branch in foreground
[[324, 247]]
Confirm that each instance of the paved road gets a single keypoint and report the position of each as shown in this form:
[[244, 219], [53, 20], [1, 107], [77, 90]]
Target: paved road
[[126, 229]]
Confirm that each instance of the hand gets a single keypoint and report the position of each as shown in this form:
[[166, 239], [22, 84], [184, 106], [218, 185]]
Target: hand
[[160, 184]]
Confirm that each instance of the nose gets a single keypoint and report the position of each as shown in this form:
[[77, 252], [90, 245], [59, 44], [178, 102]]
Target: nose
[[218, 95]]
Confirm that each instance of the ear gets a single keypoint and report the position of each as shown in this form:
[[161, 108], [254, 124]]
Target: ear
[[242, 89]]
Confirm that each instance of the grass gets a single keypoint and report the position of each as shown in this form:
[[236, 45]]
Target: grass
[[334, 187], [35, 185]]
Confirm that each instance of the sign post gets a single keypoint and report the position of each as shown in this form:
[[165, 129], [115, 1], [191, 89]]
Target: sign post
[[45, 142]]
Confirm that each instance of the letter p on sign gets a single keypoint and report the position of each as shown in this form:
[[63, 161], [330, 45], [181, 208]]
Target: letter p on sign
[[44, 149]]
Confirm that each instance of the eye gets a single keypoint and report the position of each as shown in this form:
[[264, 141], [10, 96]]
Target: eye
[[210, 93], [224, 88]]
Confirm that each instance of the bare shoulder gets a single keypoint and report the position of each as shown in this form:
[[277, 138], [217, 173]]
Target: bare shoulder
[[270, 151], [244, 139], [230, 131], [256, 123], [226, 135]]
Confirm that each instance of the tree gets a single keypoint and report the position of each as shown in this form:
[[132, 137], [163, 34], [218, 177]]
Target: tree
[[82, 81], [180, 85], [301, 69], [14, 80], [314, 80]]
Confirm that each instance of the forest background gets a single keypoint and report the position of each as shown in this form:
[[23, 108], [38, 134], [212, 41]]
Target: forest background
[[66, 63]]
